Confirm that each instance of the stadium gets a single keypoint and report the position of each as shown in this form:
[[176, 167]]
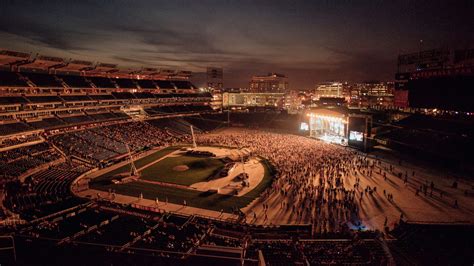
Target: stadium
[[120, 144], [146, 170]]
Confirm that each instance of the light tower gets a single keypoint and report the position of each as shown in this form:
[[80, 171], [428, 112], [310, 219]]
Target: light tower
[[194, 138], [133, 168]]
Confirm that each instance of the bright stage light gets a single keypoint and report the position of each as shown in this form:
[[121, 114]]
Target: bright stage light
[[330, 118]]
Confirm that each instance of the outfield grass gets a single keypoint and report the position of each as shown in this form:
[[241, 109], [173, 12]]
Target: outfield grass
[[138, 163], [193, 198], [199, 170]]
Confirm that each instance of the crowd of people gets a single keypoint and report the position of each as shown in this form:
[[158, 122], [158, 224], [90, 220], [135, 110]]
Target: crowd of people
[[317, 183], [106, 142], [19, 140], [313, 181], [138, 135]]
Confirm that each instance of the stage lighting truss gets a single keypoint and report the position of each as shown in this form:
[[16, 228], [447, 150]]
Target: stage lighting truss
[[329, 118]]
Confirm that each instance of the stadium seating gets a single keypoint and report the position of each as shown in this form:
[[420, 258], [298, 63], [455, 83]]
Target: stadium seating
[[126, 83], [277, 253], [42, 80], [174, 126], [75, 98], [164, 84], [11, 79], [13, 128], [104, 143], [102, 97], [19, 140], [143, 95], [206, 123], [103, 116], [368, 252], [77, 119], [101, 82], [43, 99], [146, 84], [177, 109], [433, 243], [137, 135], [73, 144], [71, 225], [172, 236], [113, 233], [123, 95], [183, 84], [75, 81], [47, 123], [12, 100], [17, 161]]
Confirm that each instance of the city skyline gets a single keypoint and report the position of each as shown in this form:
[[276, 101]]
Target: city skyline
[[308, 42]]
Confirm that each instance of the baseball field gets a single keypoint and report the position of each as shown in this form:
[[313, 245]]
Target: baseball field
[[172, 166]]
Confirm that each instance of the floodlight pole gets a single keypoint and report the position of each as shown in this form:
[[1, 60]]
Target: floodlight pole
[[194, 138], [243, 163], [133, 169]]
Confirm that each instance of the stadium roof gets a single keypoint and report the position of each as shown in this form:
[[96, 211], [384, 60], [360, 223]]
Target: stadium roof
[[43, 62]]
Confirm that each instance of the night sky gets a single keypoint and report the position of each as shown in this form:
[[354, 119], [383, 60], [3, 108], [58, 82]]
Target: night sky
[[310, 41]]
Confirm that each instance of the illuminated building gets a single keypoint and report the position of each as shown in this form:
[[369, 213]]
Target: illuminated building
[[372, 94], [329, 89], [248, 99], [294, 101], [273, 82]]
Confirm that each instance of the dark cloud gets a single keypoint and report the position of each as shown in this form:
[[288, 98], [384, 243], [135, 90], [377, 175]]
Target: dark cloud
[[47, 35]]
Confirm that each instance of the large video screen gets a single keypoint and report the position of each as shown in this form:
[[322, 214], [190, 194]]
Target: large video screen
[[356, 136], [357, 129], [304, 126]]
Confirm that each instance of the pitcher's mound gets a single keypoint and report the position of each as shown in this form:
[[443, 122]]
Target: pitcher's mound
[[181, 168]]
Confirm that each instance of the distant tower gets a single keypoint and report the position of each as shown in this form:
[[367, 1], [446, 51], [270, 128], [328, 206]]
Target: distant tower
[[215, 78]]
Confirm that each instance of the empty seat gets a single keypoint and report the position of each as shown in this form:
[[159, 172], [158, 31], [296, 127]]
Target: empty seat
[[12, 100], [11, 79], [43, 80], [183, 84], [126, 83], [146, 84], [102, 97], [164, 84], [43, 99], [75, 81], [75, 98], [123, 95], [12, 128], [101, 82], [143, 95]]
